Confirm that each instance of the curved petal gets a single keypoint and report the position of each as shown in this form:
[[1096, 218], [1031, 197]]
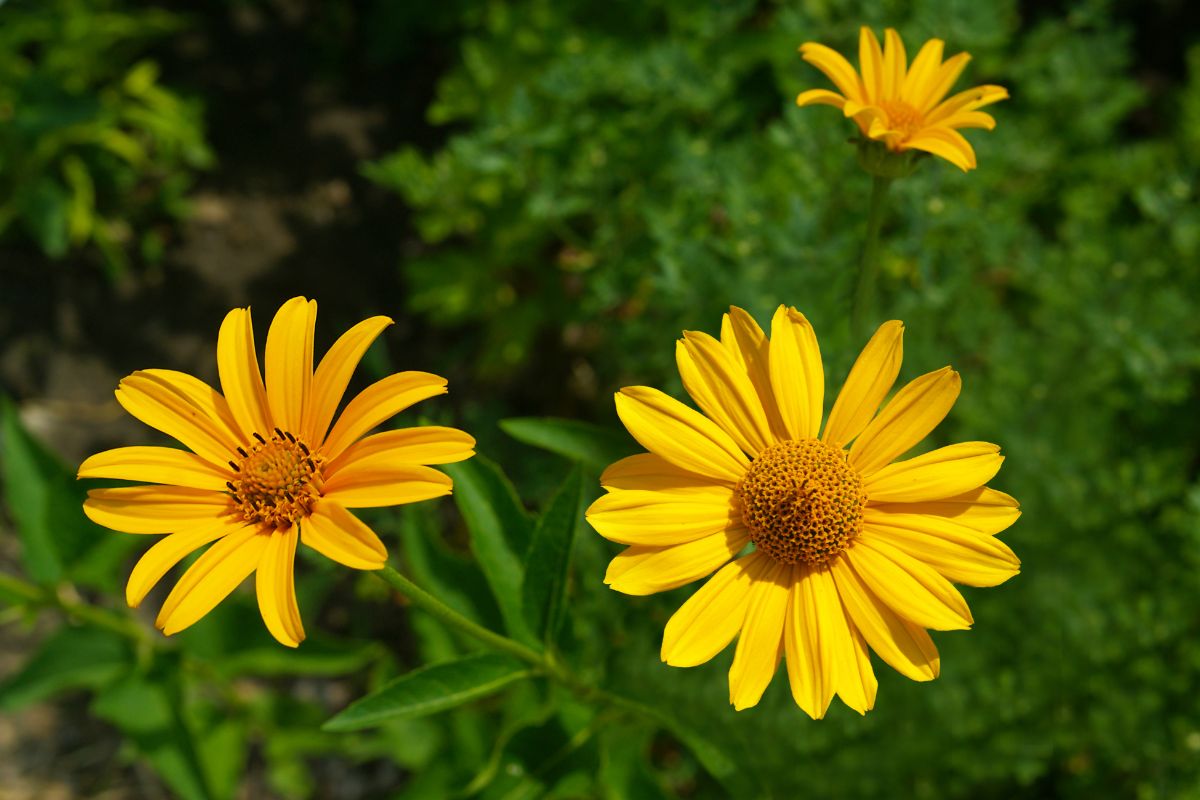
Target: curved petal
[[909, 587], [333, 375], [923, 73], [895, 64], [870, 64], [643, 570], [870, 380], [820, 97], [943, 80], [654, 473], [377, 481], [215, 574], [155, 509], [968, 100], [159, 464], [166, 553], [275, 584], [658, 519], [289, 357], [378, 403], [428, 444], [706, 624], [162, 405], [835, 67], [686, 438], [237, 364], [947, 144], [206, 398], [797, 376], [342, 537], [722, 389], [905, 420], [961, 554], [944, 472], [970, 119], [983, 509], [760, 643], [748, 345]]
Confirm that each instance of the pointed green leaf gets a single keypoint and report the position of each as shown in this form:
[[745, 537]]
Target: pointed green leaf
[[72, 658], [591, 445], [547, 562]]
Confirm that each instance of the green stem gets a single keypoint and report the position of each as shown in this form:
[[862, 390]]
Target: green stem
[[863, 309], [81, 612]]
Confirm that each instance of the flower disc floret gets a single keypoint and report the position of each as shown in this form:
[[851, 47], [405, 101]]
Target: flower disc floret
[[277, 480]]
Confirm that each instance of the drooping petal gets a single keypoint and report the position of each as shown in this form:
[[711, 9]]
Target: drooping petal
[[835, 67], [923, 73], [746, 342], [943, 80], [164, 406], [241, 380], [760, 643], [340, 536], [808, 639], [686, 438], [159, 464], [820, 97], [722, 389], [429, 444], [947, 144], [870, 64], [909, 587], [961, 554], [166, 553], [378, 403], [905, 420], [983, 509], [650, 472], [333, 375], [706, 624], [643, 570], [797, 376], [895, 63], [215, 574], [289, 361], [275, 584], [662, 518], [944, 472], [378, 481], [870, 380], [155, 509]]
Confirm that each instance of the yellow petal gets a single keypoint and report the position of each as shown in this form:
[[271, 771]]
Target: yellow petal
[[377, 481], [163, 406], [215, 574], [275, 584], [943, 80], [654, 473], [708, 621], [970, 119], [797, 376], [761, 641], [722, 389], [961, 554], [944, 472], [342, 537], [645, 570], [909, 587], [968, 100], [378, 403], [166, 553], [903, 645], [429, 444], [289, 357], [207, 399], [237, 363], [155, 509], [159, 464], [853, 676], [749, 346], [905, 420], [870, 380], [333, 375], [820, 97], [921, 76], [895, 63], [870, 63], [808, 640], [983, 509], [686, 438], [835, 67], [947, 144], [662, 518]]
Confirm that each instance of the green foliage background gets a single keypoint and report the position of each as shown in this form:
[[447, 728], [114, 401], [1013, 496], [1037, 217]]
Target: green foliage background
[[610, 174]]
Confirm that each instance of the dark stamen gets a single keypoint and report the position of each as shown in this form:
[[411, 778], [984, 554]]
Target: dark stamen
[[279, 433], [303, 447], [243, 452], [232, 488], [289, 436], [235, 466], [311, 465], [258, 436]]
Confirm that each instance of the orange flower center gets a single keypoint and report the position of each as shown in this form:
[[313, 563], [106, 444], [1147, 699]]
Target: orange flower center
[[801, 501], [902, 117], [277, 482]]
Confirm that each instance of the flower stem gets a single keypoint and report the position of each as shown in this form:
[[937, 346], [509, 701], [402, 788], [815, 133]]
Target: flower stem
[[863, 309], [79, 611]]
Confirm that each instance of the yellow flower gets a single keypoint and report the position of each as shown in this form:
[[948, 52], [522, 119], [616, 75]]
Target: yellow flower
[[266, 470], [902, 106], [850, 550]]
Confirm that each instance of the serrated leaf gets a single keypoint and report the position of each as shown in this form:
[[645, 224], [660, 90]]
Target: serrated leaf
[[547, 563], [72, 658], [431, 689], [591, 445]]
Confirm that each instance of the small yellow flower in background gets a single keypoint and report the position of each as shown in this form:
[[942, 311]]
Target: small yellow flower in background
[[266, 471], [852, 549], [903, 106]]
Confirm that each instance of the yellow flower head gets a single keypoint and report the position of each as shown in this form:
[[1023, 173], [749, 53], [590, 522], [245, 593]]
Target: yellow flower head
[[902, 106], [266, 470], [851, 548]]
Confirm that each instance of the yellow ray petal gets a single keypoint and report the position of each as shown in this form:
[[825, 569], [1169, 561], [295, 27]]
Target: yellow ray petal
[[921, 76], [275, 584], [947, 144], [206, 398], [905, 420], [895, 64], [820, 97], [943, 80], [333, 375], [708, 621], [909, 587], [722, 389], [969, 119], [237, 363], [654, 473], [215, 574], [797, 376], [163, 406], [967, 100], [159, 464], [761, 641], [378, 403], [854, 678], [645, 570], [835, 67], [658, 519], [166, 553], [944, 472], [289, 357], [342, 537], [155, 509], [870, 63], [809, 631], [746, 341], [961, 554], [686, 438], [983, 509], [870, 380], [429, 444], [903, 645], [377, 481]]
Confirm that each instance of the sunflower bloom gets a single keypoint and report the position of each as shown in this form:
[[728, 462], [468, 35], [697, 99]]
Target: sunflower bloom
[[266, 469], [899, 105], [852, 549]]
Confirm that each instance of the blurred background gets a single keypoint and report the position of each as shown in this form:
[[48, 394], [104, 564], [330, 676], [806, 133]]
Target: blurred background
[[543, 194]]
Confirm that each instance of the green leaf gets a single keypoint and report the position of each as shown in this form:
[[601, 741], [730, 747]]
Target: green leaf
[[45, 207], [547, 563], [72, 658], [499, 530], [318, 657], [431, 689], [591, 445]]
